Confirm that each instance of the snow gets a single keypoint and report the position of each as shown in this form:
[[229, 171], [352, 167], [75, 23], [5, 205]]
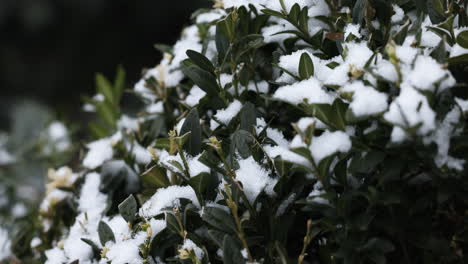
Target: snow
[[399, 14], [35, 242], [316, 193], [366, 100], [339, 75], [156, 227], [254, 179], [19, 210], [426, 73], [141, 154], [352, 29], [398, 135], [6, 157], [225, 79], [286, 155], [167, 197], [91, 206], [406, 54], [428, 38], [328, 144], [127, 251], [410, 109], [128, 123], [210, 16], [305, 122], [195, 166], [277, 136], [260, 86], [386, 70], [189, 245], [99, 97], [99, 152], [141, 89], [55, 256], [58, 136], [5, 244], [309, 91], [269, 32], [226, 115], [244, 253], [442, 138], [457, 50], [357, 54], [119, 227], [156, 108], [194, 97], [291, 64], [91, 200], [276, 5], [463, 104]]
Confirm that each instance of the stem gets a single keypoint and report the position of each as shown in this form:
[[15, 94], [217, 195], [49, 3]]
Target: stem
[[307, 239], [240, 232]]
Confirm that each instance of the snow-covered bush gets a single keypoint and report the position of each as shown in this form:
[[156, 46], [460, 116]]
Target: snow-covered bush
[[278, 131]]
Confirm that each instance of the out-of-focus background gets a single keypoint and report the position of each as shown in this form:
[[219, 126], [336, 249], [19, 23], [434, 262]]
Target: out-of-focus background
[[50, 51]]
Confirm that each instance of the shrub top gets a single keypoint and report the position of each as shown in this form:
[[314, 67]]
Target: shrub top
[[302, 131]]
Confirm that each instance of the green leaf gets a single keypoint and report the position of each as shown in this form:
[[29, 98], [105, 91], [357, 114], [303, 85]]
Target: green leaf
[[462, 39], [324, 165], [163, 143], [162, 242], [232, 251], [332, 115], [273, 13], [304, 19], [241, 141], [163, 48], [173, 224], [294, 13], [155, 177], [400, 36], [96, 249], [222, 43], [359, 11], [440, 53], [462, 59], [379, 244], [203, 79], [435, 9], [306, 66], [119, 82], [200, 60], [192, 125], [219, 219], [248, 117], [105, 233], [105, 88], [116, 172], [204, 185], [128, 209]]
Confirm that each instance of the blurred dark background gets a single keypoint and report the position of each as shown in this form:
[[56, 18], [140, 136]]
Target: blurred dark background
[[50, 50]]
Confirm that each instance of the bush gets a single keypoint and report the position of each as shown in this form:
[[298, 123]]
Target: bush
[[312, 131]]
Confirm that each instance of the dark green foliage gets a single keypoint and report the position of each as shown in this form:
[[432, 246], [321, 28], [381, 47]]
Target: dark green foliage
[[390, 192]]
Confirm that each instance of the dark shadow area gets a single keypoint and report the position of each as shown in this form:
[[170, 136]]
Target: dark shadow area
[[51, 49]]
